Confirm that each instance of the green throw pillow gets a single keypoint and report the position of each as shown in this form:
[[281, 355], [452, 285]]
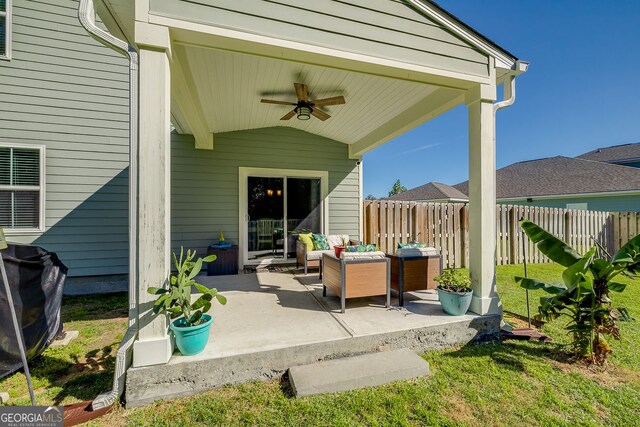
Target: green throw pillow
[[361, 248], [320, 242], [306, 239], [412, 245]]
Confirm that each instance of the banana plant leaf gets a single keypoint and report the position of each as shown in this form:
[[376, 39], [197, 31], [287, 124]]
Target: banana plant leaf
[[575, 273], [552, 288], [629, 254], [555, 249]]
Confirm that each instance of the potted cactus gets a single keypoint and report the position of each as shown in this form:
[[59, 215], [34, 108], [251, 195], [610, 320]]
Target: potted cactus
[[454, 291], [192, 324]]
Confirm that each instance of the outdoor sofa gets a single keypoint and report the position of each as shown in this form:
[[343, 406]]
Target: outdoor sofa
[[311, 259]]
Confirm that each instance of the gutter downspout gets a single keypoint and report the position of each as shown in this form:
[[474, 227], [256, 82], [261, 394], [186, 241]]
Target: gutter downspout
[[124, 355], [509, 95], [509, 99], [510, 88]]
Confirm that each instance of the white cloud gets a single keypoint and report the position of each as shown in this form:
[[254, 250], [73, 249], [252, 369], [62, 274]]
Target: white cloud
[[421, 148]]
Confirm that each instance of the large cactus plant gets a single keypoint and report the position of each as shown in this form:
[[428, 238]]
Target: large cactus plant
[[176, 299]]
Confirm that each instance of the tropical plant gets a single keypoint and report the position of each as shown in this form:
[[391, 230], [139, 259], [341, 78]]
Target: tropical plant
[[176, 299], [397, 189], [583, 294], [453, 280]]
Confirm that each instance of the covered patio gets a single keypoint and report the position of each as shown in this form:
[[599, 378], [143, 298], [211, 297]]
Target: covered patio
[[203, 133], [276, 320]]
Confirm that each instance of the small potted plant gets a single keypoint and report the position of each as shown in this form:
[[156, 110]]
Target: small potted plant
[[340, 248], [454, 291], [192, 325]]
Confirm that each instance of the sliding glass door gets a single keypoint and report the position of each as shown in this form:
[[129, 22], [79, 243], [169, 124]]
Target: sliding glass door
[[304, 209], [265, 215], [278, 208]]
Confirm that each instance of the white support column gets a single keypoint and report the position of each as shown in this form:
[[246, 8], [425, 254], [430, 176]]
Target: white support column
[[153, 345], [482, 200]]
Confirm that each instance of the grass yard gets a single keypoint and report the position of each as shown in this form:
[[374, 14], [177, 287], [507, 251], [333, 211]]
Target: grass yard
[[512, 383]]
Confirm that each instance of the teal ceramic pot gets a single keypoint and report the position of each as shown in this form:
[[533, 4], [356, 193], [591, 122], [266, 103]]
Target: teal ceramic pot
[[191, 339], [455, 303]]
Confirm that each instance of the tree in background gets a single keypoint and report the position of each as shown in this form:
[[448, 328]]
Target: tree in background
[[397, 189], [371, 197]]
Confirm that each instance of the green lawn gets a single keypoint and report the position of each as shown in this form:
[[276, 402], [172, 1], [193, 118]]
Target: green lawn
[[78, 371], [511, 383]]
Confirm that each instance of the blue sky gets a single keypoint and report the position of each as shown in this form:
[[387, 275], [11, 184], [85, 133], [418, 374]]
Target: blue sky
[[582, 90]]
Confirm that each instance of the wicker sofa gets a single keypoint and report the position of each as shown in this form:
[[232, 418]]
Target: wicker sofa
[[311, 259]]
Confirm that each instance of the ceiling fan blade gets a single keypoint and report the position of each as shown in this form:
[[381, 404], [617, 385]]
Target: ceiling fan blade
[[336, 100], [320, 114], [288, 115], [272, 101], [301, 92]]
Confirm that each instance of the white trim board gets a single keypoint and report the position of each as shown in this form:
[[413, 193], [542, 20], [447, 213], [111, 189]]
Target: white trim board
[[245, 172], [8, 15], [207, 36]]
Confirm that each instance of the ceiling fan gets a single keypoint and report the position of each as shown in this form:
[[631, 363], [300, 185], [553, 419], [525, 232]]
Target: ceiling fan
[[305, 108]]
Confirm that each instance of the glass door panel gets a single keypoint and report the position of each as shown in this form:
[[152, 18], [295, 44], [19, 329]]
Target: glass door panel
[[265, 222], [304, 209]]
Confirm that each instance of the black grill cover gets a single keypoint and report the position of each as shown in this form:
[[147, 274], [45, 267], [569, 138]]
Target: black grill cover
[[36, 278]]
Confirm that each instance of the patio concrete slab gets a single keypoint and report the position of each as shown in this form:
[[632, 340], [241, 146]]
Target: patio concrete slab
[[367, 370], [275, 321], [264, 311], [365, 316]]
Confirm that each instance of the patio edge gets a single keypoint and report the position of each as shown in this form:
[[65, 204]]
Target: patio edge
[[161, 382]]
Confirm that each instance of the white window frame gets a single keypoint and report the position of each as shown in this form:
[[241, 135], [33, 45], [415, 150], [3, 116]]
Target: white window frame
[[41, 187], [7, 37]]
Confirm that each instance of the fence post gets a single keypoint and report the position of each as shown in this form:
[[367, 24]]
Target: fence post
[[567, 228], [513, 240], [464, 235]]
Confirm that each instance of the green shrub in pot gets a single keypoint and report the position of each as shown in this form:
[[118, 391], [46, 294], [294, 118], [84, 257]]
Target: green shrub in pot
[[454, 291]]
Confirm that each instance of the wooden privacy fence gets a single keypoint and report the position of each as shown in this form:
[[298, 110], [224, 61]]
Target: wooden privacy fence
[[445, 226]]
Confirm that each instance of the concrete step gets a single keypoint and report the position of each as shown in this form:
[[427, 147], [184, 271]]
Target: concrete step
[[367, 370]]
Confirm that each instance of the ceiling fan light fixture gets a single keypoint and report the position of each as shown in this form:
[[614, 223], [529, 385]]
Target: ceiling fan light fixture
[[303, 112]]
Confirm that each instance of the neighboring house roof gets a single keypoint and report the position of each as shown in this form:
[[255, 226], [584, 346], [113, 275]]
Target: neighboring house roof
[[561, 176], [616, 154], [432, 191]]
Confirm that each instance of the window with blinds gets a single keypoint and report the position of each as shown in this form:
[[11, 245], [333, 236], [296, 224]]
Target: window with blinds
[[21, 191], [5, 28]]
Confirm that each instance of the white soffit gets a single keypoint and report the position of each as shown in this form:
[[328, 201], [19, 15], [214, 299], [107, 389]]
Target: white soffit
[[230, 86]]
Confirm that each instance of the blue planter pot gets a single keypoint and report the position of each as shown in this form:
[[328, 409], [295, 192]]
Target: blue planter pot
[[191, 339], [455, 303]]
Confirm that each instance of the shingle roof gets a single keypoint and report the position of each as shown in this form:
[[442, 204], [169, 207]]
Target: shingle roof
[[431, 191], [613, 154], [561, 175]]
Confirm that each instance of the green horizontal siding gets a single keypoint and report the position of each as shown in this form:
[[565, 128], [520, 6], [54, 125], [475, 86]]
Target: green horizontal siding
[[383, 28], [205, 183], [627, 203], [64, 90]]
